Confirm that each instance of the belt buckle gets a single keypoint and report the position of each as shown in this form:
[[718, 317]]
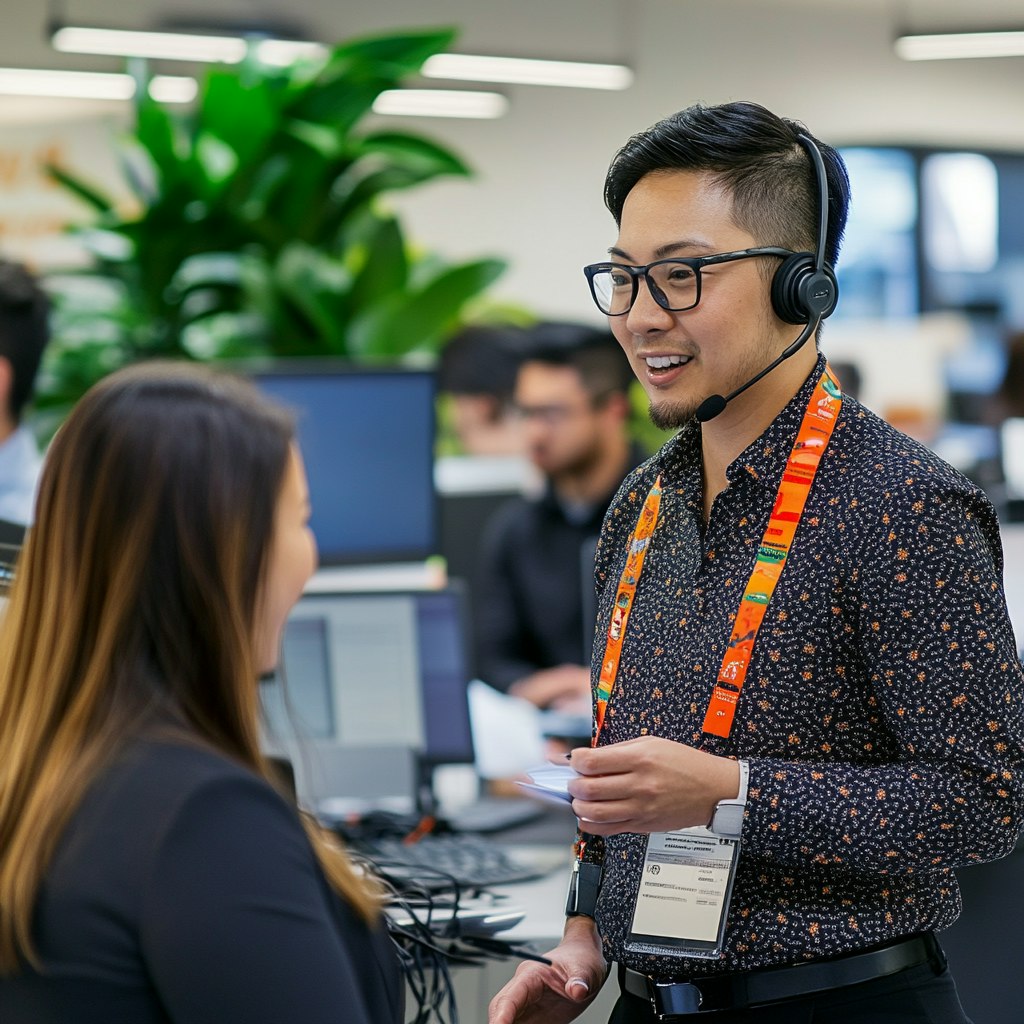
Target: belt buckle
[[674, 998]]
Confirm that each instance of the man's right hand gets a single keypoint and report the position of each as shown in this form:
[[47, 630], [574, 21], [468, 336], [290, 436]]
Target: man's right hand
[[559, 993]]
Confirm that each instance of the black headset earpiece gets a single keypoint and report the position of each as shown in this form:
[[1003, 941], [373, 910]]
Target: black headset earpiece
[[804, 288], [801, 293]]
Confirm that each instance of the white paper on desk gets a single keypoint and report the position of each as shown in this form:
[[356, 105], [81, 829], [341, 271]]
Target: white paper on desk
[[507, 735]]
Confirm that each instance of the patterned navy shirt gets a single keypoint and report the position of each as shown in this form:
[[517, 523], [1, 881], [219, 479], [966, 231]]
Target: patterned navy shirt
[[883, 711]]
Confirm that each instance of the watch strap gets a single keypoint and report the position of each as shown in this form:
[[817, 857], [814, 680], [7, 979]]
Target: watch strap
[[584, 887], [741, 797], [730, 811]]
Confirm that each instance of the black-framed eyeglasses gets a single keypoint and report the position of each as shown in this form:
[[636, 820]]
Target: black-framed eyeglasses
[[674, 284]]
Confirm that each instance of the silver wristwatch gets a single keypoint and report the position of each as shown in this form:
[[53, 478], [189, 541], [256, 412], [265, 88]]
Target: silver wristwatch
[[727, 821]]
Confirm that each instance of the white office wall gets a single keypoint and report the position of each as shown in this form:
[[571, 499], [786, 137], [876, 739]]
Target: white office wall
[[541, 168], [536, 199]]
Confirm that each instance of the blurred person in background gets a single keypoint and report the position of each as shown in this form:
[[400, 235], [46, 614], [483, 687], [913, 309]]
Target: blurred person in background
[[532, 598], [1009, 397], [477, 372], [24, 333]]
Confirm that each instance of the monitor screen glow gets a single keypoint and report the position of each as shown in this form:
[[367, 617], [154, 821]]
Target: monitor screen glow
[[367, 440]]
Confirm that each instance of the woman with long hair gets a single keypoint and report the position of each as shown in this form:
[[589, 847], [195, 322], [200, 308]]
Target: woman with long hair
[[149, 868]]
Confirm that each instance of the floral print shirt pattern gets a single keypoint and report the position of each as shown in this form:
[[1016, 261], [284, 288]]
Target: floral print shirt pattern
[[883, 712]]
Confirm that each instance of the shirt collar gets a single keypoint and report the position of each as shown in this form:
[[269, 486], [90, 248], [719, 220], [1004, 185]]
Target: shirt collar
[[760, 461]]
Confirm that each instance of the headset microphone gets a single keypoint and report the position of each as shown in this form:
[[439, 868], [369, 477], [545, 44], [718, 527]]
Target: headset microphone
[[804, 290], [713, 405]]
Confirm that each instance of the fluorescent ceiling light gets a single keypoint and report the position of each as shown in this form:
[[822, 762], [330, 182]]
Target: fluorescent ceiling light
[[173, 89], [440, 103], [959, 45], [522, 71], [211, 49], [84, 84], [231, 49], [168, 45], [282, 52], [91, 85]]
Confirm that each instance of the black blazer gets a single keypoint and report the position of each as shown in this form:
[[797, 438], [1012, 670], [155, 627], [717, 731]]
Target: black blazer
[[185, 890]]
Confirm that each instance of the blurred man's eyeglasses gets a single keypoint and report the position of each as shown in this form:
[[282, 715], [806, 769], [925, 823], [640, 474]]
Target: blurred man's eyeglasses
[[555, 415], [674, 284]]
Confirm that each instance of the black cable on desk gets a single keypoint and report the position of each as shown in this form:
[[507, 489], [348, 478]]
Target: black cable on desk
[[426, 947]]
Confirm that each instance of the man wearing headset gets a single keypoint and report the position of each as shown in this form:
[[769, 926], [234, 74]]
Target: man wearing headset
[[807, 697]]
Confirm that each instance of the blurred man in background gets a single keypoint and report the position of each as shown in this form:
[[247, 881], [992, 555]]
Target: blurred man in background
[[24, 332], [533, 597]]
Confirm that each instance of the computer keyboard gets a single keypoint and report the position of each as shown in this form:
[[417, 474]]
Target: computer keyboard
[[435, 861], [495, 814]]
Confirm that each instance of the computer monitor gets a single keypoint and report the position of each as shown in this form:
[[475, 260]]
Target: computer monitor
[[379, 669], [367, 439]]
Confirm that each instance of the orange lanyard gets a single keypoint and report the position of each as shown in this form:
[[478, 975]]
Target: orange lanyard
[[638, 545], [811, 441], [801, 467]]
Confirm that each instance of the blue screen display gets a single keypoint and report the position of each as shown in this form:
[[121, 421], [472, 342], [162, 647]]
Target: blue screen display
[[367, 439]]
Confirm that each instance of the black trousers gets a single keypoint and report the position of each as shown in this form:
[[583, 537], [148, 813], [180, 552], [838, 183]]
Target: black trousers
[[914, 996]]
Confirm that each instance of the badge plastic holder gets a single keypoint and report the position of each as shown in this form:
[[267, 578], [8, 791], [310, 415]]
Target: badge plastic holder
[[682, 901]]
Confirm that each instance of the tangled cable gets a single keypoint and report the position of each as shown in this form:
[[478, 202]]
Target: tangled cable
[[423, 920]]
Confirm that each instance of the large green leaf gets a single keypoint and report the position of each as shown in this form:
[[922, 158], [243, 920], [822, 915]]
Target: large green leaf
[[393, 55], [325, 140], [266, 180], [217, 163], [241, 113], [164, 140], [359, 188], [385, 267], [316, 284], [357, 72], [78, 186], [386, 162], [209, 268], [411, 151], [417, 320], [226, 336]]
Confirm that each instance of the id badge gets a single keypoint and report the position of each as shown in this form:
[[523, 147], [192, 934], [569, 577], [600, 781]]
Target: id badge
[[684, 894]]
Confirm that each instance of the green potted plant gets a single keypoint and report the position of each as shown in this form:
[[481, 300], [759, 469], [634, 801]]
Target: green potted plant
[[258, 227]]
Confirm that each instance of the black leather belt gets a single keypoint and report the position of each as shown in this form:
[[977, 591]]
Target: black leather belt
[[771, 985]]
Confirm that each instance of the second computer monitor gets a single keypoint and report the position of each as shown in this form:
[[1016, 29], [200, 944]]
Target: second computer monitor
[[370, 671]]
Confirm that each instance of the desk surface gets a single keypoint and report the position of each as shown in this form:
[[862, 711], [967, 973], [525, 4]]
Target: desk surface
[[546, 843]]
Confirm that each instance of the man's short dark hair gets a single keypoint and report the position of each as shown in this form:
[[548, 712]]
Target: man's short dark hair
[[24, 329], [755, 155], [591, 351]]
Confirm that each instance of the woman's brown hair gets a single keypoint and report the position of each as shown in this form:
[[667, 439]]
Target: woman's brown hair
[[134, 606]]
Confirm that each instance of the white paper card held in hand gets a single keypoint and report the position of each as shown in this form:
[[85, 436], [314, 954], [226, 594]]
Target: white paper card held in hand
[[550, 781]]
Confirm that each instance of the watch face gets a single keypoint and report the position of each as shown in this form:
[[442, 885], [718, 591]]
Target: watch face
[[728, 820]]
